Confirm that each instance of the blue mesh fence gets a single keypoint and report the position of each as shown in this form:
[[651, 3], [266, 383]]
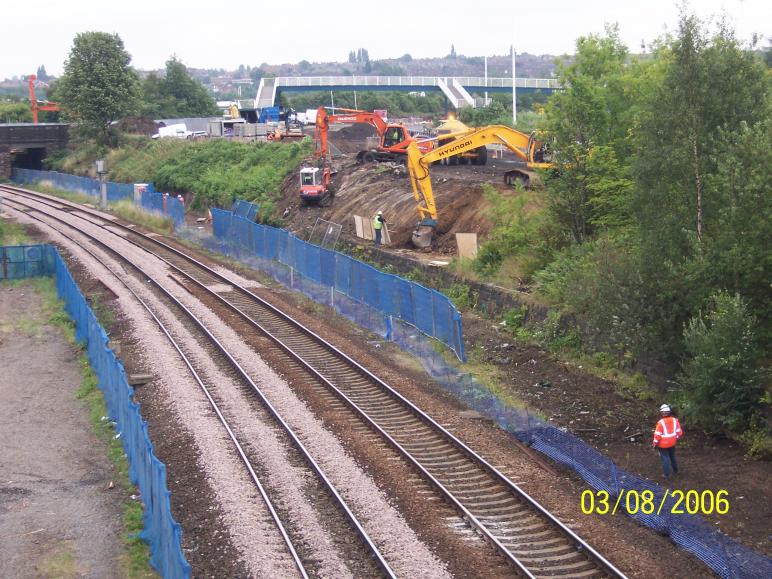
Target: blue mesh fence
[[339, 278], [151, 201], [22, 261], [164, 204], [83, 185], [271, 248], [245, 209], [723, 555], [161, 531]]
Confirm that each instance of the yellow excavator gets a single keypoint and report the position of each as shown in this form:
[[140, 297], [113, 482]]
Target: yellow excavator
[[532, 152]]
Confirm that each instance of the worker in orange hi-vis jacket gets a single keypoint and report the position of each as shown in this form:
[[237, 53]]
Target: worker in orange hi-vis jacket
[[666, 434]]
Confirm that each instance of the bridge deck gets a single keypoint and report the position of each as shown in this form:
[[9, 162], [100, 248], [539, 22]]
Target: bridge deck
[[268, 91]]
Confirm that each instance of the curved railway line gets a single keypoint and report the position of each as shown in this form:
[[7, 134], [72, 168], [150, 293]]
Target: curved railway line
[[519, 528], [379, 566]]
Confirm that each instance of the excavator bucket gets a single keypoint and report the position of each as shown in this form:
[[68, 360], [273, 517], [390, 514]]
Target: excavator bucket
[[422, 236]]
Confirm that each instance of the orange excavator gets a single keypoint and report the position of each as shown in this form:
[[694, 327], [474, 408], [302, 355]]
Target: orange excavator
[[394, 138], [36, 106]]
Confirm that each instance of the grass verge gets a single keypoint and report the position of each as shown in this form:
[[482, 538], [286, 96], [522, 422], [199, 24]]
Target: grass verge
[[12, 233], [130, 212]]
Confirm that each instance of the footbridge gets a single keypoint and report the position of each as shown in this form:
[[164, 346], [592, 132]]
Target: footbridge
[[29, 144], [458, 90]]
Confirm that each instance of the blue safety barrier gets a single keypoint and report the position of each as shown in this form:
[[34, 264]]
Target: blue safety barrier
[[161, 531], [331, 276], [163, 204], [82, 185], [245, 209], [17, 262]]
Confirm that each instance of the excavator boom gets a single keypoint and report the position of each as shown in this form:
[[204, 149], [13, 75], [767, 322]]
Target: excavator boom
[[530, 150]]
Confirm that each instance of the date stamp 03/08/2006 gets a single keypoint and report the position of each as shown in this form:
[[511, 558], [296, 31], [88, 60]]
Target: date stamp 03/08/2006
[[631, 501]]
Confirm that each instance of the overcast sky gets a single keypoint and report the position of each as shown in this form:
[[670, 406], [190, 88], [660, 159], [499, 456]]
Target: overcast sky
[[226, 34]]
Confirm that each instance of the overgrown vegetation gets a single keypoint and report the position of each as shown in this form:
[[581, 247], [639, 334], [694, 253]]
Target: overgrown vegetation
[[12, 233], [652, 232], [131, 212], [216, 171]]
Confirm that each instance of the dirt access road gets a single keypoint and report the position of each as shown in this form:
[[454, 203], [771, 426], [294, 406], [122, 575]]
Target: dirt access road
[[58, 516]]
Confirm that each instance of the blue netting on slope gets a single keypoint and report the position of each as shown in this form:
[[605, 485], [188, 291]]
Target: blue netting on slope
[[308, 265], [722, 554], [161, 531]]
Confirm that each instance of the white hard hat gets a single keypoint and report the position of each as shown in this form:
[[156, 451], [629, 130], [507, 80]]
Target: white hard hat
[[664, 408], [379, 213]]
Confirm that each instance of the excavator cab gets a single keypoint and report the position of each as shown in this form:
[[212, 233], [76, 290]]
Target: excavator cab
[[315, 185], [394, 135]]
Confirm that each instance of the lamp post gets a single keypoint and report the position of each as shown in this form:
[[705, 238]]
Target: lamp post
[[101, 170], [514, 90]]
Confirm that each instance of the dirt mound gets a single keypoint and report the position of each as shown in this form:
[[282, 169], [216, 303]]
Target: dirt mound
[[365, 189], [357, 131], [351, 139], [138, 126]]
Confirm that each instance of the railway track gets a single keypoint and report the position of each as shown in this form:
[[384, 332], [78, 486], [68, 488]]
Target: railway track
[[372, 563], [535, 542]]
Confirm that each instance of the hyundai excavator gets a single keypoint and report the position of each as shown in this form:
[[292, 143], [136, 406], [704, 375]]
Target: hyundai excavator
[[532, 152]]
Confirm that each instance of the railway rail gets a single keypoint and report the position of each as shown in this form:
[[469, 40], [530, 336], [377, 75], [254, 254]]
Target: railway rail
[[380, 566], [535, 542]]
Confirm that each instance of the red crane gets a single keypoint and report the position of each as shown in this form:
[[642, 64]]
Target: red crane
[[46, 106]]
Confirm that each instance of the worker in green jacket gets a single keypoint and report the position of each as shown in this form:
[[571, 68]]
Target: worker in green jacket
[[378, 226]]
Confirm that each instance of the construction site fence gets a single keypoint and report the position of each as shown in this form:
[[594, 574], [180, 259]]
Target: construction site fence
[[361, 290], [150, 200], [161, 531]]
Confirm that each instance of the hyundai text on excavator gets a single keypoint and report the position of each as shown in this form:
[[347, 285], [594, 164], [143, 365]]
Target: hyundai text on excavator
[[532, 152]]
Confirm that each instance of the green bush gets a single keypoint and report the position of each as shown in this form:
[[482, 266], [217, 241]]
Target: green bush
[[462, 296], [515, 318], [720, 376]]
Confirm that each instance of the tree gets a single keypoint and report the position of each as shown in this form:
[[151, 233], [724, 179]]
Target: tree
[[41, 73], [722, 387], [588, 125], [98, 85], [176, 95], [681, 124], [452, 51]]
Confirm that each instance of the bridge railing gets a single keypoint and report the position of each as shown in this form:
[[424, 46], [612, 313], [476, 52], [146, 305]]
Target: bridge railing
[[547, 83], [289, 81], [380, 81]]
